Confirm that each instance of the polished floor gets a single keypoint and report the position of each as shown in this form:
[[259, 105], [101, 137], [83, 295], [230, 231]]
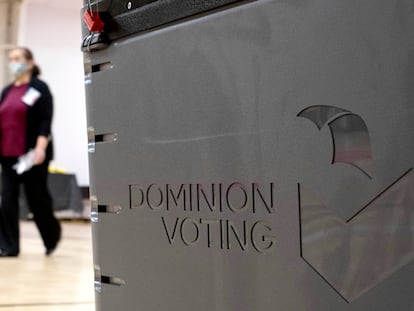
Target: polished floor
[[61, 282]]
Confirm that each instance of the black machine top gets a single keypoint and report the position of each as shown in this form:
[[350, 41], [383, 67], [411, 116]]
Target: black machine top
[[126, 17]]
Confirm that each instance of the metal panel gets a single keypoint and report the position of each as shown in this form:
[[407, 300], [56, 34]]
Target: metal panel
[[259, 158]]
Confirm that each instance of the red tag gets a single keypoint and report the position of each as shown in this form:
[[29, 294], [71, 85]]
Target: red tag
[[93, 21]]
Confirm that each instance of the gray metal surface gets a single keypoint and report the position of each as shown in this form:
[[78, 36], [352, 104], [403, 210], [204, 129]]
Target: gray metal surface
[[259, 158]]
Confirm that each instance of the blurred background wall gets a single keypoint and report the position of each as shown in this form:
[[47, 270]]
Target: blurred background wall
[[52, 30]]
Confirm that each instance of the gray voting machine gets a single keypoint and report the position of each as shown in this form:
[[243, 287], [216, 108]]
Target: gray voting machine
[[251, 155]]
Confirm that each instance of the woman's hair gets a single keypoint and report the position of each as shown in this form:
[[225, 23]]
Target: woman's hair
[[28, 55]]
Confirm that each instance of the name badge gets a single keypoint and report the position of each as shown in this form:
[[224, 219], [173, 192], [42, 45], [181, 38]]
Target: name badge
[[31, 96]]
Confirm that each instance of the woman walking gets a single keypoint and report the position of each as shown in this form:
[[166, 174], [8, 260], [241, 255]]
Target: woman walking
[[26, 108]]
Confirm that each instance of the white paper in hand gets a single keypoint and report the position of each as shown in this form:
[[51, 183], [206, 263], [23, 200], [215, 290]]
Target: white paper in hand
[[25, 162]]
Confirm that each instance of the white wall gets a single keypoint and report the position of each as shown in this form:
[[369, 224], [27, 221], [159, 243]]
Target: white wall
[[51, 29]]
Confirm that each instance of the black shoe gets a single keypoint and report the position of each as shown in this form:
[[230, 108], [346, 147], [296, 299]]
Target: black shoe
[[4, 253], [50, 250]]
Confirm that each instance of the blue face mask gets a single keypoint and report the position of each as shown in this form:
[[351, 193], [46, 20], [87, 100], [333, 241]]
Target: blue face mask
[[17, 69]]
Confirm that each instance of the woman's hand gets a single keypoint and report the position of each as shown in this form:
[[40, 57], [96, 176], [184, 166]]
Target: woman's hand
[[40, 150], [39, 155]]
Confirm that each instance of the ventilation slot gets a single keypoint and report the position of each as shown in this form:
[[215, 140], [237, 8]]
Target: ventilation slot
[[99, 139], [97, 209], [104, 279], [101, 67]]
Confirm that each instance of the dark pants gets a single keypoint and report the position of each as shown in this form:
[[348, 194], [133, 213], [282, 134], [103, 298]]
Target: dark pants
[[38, 199]]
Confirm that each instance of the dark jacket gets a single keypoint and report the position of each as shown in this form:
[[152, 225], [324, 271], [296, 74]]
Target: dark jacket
[[39, 116]]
